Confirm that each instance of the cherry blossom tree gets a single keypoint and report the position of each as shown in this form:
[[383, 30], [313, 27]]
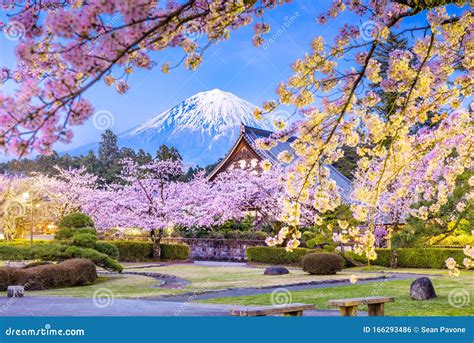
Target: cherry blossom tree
[[145, 199], [11, 205], [66, 47], [431, 78], [69, 46], [66, 192]]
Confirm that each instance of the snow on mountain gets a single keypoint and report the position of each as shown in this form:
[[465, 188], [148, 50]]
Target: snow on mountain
[[203, 127]]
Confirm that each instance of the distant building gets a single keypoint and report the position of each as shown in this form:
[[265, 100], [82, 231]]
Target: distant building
[[244, 151]]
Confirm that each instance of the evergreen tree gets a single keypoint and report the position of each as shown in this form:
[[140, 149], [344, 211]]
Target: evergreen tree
[[109, 158], [143, 157], [382, 55], [168, 153], [90, 162]]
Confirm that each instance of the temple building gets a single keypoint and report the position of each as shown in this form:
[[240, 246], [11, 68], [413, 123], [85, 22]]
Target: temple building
[[245, 152]]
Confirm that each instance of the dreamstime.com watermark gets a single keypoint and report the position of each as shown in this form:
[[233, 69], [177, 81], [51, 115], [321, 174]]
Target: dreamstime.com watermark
[[44, 331], [280, 296], [103, 120], [103, 297], [459, 298]]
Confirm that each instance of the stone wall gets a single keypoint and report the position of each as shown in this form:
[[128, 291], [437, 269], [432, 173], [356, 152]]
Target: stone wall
[[216, 249]]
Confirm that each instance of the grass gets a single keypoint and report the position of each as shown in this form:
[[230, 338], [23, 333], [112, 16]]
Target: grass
[[204, 278], [122, 286], [201, 278], [461, 290], [380, 269]]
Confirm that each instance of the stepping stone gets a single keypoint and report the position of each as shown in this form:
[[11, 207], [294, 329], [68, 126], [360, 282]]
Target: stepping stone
[[15, 291], [422, 289], [276, 270]]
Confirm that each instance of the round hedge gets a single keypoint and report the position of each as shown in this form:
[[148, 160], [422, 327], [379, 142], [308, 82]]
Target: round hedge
[[322, 264], [69, 273]]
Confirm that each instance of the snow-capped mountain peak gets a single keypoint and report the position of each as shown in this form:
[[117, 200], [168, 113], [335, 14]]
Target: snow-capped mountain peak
[[202, 127], [213, 111]]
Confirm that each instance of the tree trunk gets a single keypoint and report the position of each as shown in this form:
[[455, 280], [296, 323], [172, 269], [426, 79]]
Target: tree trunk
[[156, 237]]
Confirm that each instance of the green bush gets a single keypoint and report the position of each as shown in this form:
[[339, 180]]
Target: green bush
[[101, 260], [276, 255], [49, 252], [174, 251], [57, 252], [76, 220], [108, 249], [414, 257], [75, 272], [67, 233], [15, 252], [130, 251], [322, 263], [85, 240]]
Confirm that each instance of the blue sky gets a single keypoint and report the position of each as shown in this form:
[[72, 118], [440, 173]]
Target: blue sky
[[234, 65]]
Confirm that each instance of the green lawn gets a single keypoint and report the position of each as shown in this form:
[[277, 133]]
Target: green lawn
[[399, 270], [201, 278], [122, 286], [204, 278], [403, 305]]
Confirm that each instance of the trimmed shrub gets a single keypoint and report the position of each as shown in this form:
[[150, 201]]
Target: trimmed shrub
[[322, 263], [101, 260], [414, 257], [57, 252], [427, 258], [76, 220], [85, 240], [174, 251], [15, 252], [49, 252], [67, 233], [108, 249], [75, 272], [130, 251], [276, 255]]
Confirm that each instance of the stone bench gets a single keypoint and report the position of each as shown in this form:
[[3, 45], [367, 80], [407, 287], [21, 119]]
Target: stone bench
[[294, 310], [348, 307], [15, 291]]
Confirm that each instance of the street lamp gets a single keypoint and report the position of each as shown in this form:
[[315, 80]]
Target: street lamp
[[26, 196]]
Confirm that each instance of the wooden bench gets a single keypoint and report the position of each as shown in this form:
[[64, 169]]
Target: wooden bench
[[348, 307], [15, 291], [294, 310]]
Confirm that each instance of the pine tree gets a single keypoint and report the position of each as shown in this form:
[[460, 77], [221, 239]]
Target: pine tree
[[109, 158], [382, 55], [168, 153]]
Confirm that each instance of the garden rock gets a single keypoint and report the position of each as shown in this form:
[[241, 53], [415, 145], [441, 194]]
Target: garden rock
[[422, 289], [276, 270]]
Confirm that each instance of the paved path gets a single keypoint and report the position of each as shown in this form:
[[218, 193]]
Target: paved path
[[64, 306]]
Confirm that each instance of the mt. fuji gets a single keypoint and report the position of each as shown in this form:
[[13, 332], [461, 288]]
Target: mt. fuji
[[203, 127]]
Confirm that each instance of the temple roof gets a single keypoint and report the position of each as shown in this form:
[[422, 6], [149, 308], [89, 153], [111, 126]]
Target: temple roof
[[251, 134]]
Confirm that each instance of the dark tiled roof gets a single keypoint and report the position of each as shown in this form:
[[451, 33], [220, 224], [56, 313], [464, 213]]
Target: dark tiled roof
[[251, 134]]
